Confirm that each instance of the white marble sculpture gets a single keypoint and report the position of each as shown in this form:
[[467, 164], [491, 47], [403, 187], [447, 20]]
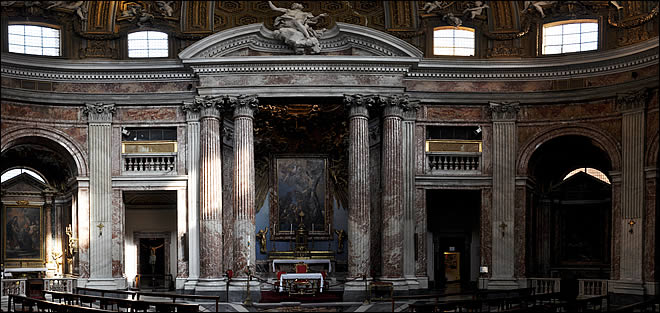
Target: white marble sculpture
[[452, 20], [433, 5], [294, 27], [77, 6], [477, 10], [537, 5], [165, 7]]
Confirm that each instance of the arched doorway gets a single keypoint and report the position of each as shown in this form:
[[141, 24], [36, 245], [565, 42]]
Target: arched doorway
[[570, 214]]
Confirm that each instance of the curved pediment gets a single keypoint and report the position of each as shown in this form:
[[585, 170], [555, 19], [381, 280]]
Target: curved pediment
[[342, 39]]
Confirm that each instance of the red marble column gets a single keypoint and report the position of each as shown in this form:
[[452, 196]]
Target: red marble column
[[359, 214], [210, 197], [244, 190], [392, 236]]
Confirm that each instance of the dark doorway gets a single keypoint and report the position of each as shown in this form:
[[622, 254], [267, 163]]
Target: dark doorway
[[453, 219], [149, 266]]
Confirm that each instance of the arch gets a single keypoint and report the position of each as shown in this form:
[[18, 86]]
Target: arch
[[605, 142], [652, 152], [10, 136]]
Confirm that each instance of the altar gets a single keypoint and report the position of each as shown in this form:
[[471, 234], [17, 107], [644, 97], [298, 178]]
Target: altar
[[306, 261]]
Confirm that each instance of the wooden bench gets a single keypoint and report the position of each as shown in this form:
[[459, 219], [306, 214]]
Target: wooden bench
[[175, 296], [44, 305]]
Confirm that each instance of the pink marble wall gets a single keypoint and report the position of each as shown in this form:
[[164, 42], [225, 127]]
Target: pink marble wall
[[36, 112], [420, 231], [519, 229], [121, 88], [301, 79], [486, 227], [376, 209], [148, 114], [420, 149], [487, 86], [449, 113], [618, 78], [228, 207], [83, 232], [616, 230], [117, 234], [650, 228], [487, 148]]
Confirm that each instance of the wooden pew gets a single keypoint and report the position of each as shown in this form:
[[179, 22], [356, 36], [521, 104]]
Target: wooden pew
[[175, 296], [128, 304], [44, 305]]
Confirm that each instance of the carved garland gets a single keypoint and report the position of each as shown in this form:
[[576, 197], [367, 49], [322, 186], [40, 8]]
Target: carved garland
[[635, 22]]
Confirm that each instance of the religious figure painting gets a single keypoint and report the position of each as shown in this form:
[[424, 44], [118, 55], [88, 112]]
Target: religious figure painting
[[301, 184], [23, 230]]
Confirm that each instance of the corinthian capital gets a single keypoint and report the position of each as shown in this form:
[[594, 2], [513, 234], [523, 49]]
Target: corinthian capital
[[99, 112], [632, 101], [359, 105], [243, 105], [504, 111]]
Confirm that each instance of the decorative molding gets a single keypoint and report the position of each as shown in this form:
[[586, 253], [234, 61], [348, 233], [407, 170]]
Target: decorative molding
[[504, 111], [99, 112], [632, 101]]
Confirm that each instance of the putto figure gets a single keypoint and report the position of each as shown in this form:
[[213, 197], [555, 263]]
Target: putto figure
[[294, 27]]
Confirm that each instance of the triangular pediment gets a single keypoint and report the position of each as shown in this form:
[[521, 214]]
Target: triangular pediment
[[23, 183], [343, 39]]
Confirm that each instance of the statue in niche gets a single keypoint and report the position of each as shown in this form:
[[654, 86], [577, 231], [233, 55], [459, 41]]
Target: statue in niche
[[261, 236], [294, 27], [537, 5], [477, 10]]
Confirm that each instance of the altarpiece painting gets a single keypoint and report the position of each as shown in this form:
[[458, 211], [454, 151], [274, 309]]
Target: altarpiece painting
[[300, 184], [22, 229]]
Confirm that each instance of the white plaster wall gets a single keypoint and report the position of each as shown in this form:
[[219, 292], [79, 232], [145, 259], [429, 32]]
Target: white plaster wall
[[148, 220]]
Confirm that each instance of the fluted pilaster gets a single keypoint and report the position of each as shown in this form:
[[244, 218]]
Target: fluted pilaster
[[504, 174], [359, 214], [409, 217], [192, 168], [244, 190], [100, 188], [632, 184], [210, 186]]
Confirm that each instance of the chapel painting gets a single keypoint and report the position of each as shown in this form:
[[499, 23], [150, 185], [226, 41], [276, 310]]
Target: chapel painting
[[22, 232], [301, 185]]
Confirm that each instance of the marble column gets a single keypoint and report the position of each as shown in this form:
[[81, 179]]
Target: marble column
[[359, 202], [392, 173], [210, 196], [244, 191], [100, 189], [182, 230], [632, 192], [504, 175], [192, 169]]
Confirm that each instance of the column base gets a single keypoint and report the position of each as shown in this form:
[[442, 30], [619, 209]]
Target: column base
[[630, 287], [652, 288], [357, 290], [109, 283], [423, 282], [238, 290], [398, 283], [210, 286], [500, 283]]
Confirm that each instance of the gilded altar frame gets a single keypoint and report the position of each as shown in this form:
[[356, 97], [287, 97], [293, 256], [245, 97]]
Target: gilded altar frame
[[18, 232], [283, 222]]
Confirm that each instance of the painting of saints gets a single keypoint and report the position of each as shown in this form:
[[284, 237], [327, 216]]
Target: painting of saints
[[23, 232]]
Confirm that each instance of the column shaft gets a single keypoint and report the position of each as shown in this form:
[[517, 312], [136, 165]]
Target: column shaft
[[359, 202], [504, 165], [392, 237], [210, 197], [192, 163], [244, 190]]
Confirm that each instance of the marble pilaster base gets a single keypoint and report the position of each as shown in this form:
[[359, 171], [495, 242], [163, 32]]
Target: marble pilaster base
[[103, 283], [412, 282], [400, 285], [356, 291], [190, 285], [238, 290], [629, 287], [210, 286], [180, 282], [496, 283], [652, 288], [423, 282]]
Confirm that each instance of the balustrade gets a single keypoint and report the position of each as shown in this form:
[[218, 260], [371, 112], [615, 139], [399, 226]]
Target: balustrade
[[544, 285], [592, 287], [149, 163], [454, 161], [14, 286], [59, 284]]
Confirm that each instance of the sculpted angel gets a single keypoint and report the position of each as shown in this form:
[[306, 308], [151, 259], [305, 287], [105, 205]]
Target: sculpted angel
[[294, 27]]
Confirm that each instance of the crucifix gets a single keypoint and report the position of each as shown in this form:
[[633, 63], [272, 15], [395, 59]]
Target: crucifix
[[503, 228], [100, 226], [631, 223]]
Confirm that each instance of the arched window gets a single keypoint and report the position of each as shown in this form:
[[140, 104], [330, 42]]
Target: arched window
[[457, 41], [20, 170], [570, 36], [591, 171], [33, 39], [147, 44]]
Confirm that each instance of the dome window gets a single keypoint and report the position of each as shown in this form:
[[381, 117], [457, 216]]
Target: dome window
[[147, 44], [34, 39], [455, 41], [570, 36]]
